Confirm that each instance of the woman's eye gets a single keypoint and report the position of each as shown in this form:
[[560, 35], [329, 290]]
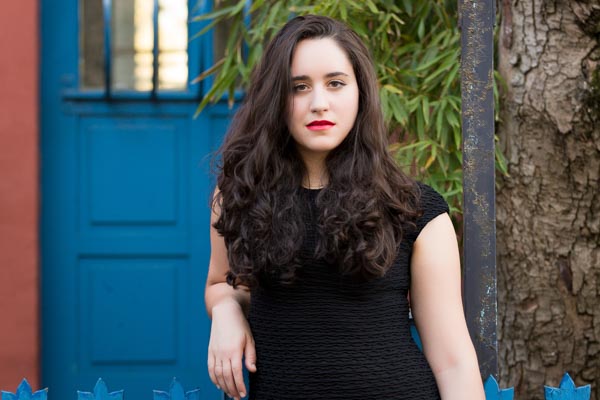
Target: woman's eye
[[337, 84], [300, 87]]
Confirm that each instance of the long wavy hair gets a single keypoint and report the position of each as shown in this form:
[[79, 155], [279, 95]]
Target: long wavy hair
[[367, 203]]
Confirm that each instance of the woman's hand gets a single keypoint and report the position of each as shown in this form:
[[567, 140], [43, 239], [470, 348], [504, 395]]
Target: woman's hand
[[230, 336], [230, 339]]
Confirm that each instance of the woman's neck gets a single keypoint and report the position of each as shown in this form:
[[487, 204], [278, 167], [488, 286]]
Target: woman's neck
[[313, 183], [316, 175]]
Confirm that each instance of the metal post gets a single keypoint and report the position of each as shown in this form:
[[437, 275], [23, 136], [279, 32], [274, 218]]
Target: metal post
[[107, 15], [155, 48], [477, 19]]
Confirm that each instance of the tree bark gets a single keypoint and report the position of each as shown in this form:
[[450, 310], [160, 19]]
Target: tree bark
[[548, 209]]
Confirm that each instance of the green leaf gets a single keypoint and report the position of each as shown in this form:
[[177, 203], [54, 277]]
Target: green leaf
[[427, 64], [408, 6], [457, 137], [420, 125], [426, 111], [372, 6], [214, 14], [209, 71], [256, 5], [208, 27], [439, 117], [421, 29], [398, 110], [501, 163], [343, 10], [451, 78], [393, 89], [443, 162], [419, 145]]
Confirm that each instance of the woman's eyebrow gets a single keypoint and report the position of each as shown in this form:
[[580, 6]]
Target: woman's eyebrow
[[337, 73], [328, 75]]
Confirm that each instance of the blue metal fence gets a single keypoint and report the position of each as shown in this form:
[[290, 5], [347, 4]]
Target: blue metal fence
[[566, 391]]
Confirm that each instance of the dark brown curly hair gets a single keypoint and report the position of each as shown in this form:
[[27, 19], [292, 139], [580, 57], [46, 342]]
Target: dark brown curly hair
[[367, 203]]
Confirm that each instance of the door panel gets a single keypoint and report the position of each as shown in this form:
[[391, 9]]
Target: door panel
[[134, 182], [114, 334], [126, 161]]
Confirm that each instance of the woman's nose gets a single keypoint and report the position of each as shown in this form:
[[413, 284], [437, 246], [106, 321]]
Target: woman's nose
[[319, 101]]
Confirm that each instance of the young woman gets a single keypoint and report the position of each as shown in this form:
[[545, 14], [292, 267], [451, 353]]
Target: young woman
[[317, 237]]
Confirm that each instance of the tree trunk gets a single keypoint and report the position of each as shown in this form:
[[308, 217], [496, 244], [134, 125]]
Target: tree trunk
[[548, 209]]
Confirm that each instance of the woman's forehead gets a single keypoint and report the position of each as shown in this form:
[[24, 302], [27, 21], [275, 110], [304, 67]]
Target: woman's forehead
[[319, 59]]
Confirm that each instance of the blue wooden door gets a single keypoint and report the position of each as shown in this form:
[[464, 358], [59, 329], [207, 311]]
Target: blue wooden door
[[125, 192]]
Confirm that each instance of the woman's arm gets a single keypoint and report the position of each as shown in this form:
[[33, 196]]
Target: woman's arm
[[217, 290], [436, 303], [230, 335]]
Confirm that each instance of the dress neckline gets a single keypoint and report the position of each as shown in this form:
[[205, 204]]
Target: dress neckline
[[311, 189]]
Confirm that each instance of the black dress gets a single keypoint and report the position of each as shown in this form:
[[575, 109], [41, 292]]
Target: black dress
[[330, 337]]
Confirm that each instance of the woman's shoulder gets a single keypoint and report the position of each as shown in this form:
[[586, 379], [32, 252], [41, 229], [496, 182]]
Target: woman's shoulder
[[428, 196], [431, 204]]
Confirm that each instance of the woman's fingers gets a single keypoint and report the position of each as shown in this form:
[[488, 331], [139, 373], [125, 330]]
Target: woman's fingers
[[238, 376], [211, 370], [220, 378], [228, 378], [250, 354]]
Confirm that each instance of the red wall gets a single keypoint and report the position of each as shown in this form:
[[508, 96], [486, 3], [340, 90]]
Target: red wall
[[19, 194]]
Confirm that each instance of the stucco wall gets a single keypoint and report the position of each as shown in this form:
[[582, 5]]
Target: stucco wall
[[19, 193]]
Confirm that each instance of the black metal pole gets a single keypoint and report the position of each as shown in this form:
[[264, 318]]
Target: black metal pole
[[477, 19], [155, 49], [107, 16]]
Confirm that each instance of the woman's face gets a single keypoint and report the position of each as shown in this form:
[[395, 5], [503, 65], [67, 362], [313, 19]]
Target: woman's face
[[324, 100]]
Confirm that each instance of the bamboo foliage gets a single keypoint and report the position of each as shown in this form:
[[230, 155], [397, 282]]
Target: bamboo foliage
[[416, 48]]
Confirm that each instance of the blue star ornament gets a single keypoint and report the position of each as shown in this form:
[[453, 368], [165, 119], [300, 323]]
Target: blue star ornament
[[24, 393], [567, 390], [493, 392], [100, 393], [176, 392]]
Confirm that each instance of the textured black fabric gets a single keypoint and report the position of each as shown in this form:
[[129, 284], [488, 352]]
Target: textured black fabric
[[329, 337]]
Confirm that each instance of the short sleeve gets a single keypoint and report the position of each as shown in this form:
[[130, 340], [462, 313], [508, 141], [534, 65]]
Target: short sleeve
[[431, 204]]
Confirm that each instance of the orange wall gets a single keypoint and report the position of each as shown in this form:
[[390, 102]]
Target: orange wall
[[19, 194]]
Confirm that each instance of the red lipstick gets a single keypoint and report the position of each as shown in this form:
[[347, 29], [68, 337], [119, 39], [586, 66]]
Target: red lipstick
[[320, 125]]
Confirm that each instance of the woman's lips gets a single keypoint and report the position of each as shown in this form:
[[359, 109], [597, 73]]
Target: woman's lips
[[320, 125]]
